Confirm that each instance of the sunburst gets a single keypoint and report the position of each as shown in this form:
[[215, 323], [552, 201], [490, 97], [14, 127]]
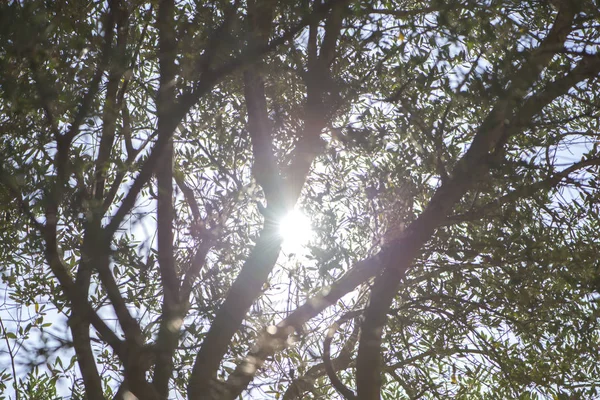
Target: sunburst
[[296, 231]]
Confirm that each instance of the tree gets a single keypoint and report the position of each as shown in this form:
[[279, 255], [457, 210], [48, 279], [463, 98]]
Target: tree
[[446, 154]]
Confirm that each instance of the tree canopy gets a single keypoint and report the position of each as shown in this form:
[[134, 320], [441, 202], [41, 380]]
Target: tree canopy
[[313, 199]]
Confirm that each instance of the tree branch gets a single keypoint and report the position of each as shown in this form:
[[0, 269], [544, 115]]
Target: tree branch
[[268, 344], [359, 273], [82, 312], [94, 85], [191, 97], [329, 368], [521, 193], [192, 273], [260, 262], [265, 168], [168, 334], [79, 303], [217, 38], [342, 361], [470, 169], [247, 56], [12, 356], [79, 327], [110, 109], [189, 196], [120, 175], [318, 81]]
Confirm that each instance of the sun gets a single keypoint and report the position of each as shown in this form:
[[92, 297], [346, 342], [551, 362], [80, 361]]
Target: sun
[[295, 230]]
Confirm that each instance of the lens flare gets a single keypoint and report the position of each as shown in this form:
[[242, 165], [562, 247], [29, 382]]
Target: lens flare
[[295, 230]]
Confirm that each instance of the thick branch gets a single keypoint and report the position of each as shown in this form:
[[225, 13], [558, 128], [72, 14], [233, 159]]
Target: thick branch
[[79, 324], [164, 173], [268, 344], [333, 27], [101, 251], [80, 327], [168, 334], [184, 102], [265, 169], [470, 169], [240, 297], [369, 267], [259, 264], [249, 55], [318, 82]]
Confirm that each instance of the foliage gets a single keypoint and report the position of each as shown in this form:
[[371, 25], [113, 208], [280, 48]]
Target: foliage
[[446, 154]]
